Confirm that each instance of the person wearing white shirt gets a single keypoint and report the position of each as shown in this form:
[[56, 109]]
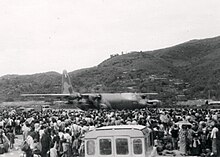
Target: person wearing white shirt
[[25, 130], [2, 123], [67, 143], [30, 142], [91, 127], [41, 132], [53, 150], [214, 141]]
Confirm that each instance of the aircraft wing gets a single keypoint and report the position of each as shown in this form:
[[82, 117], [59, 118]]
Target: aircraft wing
[[98, 95], [147, 94], [51, 95]]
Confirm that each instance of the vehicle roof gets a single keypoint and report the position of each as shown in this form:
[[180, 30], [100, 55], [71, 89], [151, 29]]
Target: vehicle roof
[[45, 105], [214, 102], [119, 127], [119, 130]]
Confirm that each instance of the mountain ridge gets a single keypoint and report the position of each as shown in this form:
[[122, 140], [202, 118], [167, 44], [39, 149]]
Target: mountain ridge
[[195, 63]]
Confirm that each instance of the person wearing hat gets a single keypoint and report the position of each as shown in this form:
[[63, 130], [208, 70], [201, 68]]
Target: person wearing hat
[[183, 139]]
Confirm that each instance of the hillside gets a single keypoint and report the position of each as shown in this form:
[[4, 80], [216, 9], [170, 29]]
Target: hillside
[[11, 86], [196, 64], [191, 69]]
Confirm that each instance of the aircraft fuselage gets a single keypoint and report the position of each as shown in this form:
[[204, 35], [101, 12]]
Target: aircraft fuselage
[[116, 101]]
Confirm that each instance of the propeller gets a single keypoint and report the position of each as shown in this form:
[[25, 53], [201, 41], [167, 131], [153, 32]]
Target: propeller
[[96, 100]]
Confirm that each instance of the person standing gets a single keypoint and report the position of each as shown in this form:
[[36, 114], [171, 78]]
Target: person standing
[[53, 150], [67, 139], [4, 142], [26, 129], [196, 145], [203, 136], [214, 138], [11, 137], [190, 133], [175, 135], [17, 125], [183, 139], [218, 141], [30, 142], [45, 142]]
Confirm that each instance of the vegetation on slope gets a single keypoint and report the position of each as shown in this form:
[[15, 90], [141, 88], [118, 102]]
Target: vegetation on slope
[[194, 64]]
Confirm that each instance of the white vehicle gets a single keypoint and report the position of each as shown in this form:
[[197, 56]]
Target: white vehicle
[[46, 107], [118, 141]]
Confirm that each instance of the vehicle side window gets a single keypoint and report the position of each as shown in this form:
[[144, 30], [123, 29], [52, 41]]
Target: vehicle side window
[[90, 147], [105, 146], [137, 146], [122, 146]]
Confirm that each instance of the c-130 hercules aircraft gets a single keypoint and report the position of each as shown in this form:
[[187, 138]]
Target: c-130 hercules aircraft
[[100, 100]]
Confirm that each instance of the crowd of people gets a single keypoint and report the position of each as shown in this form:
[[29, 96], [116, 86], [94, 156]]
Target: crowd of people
[[60, 133]]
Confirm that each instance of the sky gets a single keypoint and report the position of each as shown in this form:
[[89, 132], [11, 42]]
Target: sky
[[51, 35]]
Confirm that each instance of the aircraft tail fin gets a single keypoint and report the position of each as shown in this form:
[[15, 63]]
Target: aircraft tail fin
[[67, 87]]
